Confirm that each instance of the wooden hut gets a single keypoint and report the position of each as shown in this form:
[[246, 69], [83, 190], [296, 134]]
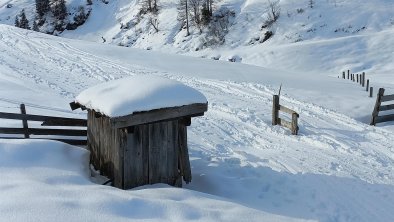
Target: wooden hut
[[136, 145]]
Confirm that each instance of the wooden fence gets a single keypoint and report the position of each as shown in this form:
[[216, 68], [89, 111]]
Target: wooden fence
[[55, 134], [379, 107], [359, 78], [276, 107]]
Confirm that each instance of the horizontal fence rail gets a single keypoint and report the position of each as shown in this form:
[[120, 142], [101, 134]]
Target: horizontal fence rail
[[380, 98], [45, 121], [276, 107]]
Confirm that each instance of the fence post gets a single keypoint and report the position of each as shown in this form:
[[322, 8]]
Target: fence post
[[370, 91], [363, 82], [375, 112], [343, 75], [348, 74], [354, 78], [24, 121], [275, 110], [357, 78], [294, 123], [367, 85]]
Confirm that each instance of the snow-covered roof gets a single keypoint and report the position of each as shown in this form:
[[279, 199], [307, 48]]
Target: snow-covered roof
[[125, 96]]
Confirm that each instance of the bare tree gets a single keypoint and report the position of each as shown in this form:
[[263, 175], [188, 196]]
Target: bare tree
[[155, 23], [272, 14], [183, 14], [196, 12]]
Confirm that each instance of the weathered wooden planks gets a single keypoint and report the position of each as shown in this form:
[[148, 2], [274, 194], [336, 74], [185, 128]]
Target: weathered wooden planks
[[159, 115], [147, 154]]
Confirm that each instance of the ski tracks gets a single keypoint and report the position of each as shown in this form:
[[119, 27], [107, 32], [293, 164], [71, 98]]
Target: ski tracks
[[329, 142], [58, 70]]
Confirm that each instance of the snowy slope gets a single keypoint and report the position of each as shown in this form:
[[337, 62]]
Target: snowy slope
[[337, 169], [322, 38]]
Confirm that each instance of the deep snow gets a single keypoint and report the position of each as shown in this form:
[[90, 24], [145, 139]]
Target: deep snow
[[125, 96], [337, 169]]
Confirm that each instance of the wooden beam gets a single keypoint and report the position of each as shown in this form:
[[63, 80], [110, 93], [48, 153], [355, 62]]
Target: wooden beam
[[386, 107], [37, 131], [275, 110], [294, 123], [38, 118], [54, 121], [184, 154], [386, 118], [159, 115], [387, 98], [286, 110], [68, 141]]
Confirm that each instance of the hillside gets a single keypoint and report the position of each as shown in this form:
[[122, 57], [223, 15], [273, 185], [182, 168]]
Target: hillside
[[244, 169], [322, 38]]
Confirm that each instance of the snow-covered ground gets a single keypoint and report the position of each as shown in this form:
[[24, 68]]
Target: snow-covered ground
[[244, 169]]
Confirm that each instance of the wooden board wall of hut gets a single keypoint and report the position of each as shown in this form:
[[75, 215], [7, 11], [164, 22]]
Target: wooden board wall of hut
[[142, 154]]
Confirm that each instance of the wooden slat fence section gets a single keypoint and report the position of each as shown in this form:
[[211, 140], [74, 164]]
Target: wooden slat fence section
[[379, 107], [387, 98], [46, 121], [385, 118], [276, 107], [386, 107], [286, 110], [68, 141], [42, 131]]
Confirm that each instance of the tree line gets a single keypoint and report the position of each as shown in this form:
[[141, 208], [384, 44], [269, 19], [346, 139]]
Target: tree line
[[53, 12]]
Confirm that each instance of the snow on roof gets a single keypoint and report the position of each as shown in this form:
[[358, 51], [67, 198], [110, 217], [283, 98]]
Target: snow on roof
[[125, 96]]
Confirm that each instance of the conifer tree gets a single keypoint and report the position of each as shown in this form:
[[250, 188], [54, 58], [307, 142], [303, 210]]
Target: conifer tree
[[42, 7], [35, 26], [59, 9], [23, 23], [17, 23]]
